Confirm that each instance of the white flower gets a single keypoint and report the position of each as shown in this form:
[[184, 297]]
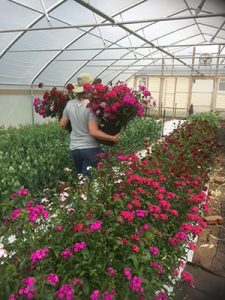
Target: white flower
[[83, 196], [44, 200]]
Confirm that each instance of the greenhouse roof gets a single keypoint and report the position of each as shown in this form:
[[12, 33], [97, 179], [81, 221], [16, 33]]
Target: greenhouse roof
[[52, 41]]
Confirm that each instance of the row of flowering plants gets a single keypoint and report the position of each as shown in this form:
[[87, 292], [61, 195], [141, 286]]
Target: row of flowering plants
[[123, 235]]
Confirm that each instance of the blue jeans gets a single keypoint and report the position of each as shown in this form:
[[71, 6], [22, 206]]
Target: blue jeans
[[84, 158]]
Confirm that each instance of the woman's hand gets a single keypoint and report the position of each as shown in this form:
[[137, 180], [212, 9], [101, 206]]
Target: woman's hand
[[116, 138]]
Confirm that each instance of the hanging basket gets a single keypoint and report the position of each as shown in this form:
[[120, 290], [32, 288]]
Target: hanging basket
[[110, 129]]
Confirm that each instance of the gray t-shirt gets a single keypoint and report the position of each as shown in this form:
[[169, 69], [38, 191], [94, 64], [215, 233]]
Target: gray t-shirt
[[79, 115]]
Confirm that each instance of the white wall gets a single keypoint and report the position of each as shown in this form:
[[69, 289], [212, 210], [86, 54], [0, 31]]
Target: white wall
[[17, 110], [177, 93]]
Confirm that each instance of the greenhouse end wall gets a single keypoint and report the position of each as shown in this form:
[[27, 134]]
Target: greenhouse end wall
[[17, 109], [173, 97], [174, 94]]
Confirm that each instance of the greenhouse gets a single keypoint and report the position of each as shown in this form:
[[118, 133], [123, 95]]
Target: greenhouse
[[112, 149]]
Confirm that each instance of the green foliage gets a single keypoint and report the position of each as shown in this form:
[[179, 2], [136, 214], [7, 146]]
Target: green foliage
[[132, 138], [32, 157], [212, 118]]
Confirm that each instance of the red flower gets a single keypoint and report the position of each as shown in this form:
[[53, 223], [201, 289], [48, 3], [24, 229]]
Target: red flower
[[89, 216], [69, 87], [135, 248], [78, 227], [40, 85]]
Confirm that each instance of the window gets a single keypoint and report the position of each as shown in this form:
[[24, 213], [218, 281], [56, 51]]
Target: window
[[222, 85], [142, 81]]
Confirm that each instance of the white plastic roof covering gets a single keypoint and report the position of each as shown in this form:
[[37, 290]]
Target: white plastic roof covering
[[52, 41]]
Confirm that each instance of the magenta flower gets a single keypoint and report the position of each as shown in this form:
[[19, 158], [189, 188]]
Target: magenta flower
[[77, 281], [38, 255], [136, 284], [35, 212], [23, 192], [96, 225], [15, 214], [127, 273], [154, 250], [59, 228], [52, 279], [95, 295], [109, 295], [65, 292], [187, 277], [66, 253], [161, 296], [111, 271], [27, 289], [79, 246]]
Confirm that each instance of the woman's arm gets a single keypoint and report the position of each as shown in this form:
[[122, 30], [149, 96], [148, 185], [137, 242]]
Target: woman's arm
[[63, 122], [99, 134]]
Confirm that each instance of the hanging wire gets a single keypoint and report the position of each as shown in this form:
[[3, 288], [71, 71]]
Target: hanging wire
[[45, 12], [99, 30], [128, 36]]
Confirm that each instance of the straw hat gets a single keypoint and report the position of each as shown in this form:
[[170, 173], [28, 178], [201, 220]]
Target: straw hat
[[81, 80]]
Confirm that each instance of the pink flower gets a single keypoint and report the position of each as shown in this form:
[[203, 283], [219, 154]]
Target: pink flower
[[28, 289], [141, 213], [161, 296], [135, 248], [154, 250], [187, 277], [111, 271], [157, 266], [16, 213], [66, 253], [77, 281], [79, 246], [65, 292], [192, 246], [38, 255], [12, 297], [59, 228], [96, 225], [95, 295], [29, 281], [127, 273], [109, 295], [52, 279], [154, 208], [128, 216], [136, 284], [23, 192], [163, 217], [35, 212], [78, 227]]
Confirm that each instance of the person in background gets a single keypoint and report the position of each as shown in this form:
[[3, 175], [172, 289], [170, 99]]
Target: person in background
[[85, 129], [191, 110]]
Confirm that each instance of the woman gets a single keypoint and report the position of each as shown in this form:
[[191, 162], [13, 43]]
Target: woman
[[85, 128]]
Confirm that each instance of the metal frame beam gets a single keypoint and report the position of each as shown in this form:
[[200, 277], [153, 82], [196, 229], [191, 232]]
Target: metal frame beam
[[71, 42], [137, 35], [112, 22], [118, 48]]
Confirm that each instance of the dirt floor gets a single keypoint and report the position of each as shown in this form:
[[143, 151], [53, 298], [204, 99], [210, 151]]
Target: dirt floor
[[208, 264]]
